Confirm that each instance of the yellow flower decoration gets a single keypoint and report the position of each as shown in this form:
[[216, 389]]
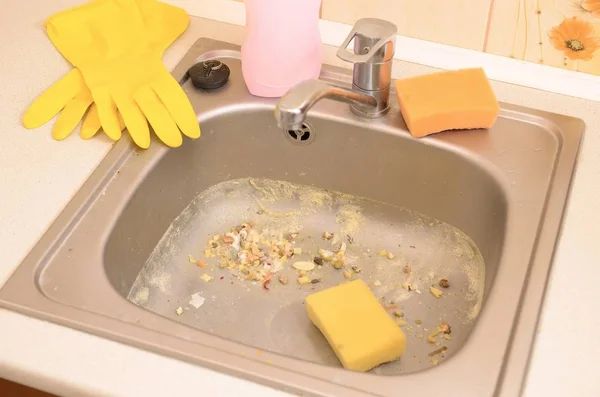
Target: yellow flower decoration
[[575, 38]]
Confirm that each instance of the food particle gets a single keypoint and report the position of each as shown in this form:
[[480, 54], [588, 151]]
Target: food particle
[[377, 283], [348, 274], [435, 361], [338, 264], [304, 265], [447, 337], [315, 281], [390, 307], [398, 314], [326, 255], [445, 328], [357, 328], [227, 239], [206, 278], [304, 280], [201, 263], [179, 311], [318, 261], [412, 287], [297, 251], [339, 247], [432, 335], [435, 292], [327, 236], [191, 259], [400, 322], [283, 279], [252, 277], [438, 351], [444, 283], [209, 253], [350, 239], [383, 253], [266, 284], [390, 256], [356, 269], [197, 300], [418, 322]]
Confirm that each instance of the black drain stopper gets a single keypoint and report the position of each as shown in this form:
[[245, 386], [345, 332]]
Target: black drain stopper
[[209, 75]]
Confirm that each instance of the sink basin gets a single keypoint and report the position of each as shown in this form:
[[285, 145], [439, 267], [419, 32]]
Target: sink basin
[[139, 254]]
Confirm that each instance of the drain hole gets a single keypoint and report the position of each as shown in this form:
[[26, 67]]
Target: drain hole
[[302, 135], [299, 135]]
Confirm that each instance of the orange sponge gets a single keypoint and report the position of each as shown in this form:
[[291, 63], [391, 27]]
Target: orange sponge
[[458, 99]]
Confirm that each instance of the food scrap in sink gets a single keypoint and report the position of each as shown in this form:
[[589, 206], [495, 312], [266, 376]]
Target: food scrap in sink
[[250, 254], [257, 255]]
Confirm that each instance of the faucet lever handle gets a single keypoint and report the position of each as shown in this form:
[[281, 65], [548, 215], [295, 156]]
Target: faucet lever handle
[[374, 41]]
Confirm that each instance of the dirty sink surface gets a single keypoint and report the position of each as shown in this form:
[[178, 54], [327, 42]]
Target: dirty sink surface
[[399, 253]]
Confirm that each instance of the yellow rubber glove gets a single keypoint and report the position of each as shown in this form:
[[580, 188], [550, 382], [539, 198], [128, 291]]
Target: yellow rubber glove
[[117, 45], [72, 96]]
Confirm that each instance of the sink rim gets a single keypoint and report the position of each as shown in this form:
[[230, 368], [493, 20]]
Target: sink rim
[[35, 303]]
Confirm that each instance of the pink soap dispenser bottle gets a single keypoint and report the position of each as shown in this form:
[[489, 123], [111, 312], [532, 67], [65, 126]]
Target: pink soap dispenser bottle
[[282, 45]]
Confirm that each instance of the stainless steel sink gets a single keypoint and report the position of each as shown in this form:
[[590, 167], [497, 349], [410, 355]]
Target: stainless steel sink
[[481, 209]]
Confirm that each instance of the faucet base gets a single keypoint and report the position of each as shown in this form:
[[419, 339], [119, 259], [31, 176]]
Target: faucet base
[[383, 105]]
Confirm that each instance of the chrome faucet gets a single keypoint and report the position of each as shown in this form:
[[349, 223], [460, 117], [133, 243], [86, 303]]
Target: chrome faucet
[[374, 45]]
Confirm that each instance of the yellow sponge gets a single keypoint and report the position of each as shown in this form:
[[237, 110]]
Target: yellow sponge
[[459, 99], [357, 327]]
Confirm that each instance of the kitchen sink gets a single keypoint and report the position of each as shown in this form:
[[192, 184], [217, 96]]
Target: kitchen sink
[[137, 256]]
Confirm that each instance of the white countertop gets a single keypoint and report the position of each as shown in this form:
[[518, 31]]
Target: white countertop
[[38, 176]]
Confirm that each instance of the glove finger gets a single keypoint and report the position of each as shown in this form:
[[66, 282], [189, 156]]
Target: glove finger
[[134, 120], [178, 105], [51, 101], [161, 121], [91, 123], [72, 114], [107, 113]]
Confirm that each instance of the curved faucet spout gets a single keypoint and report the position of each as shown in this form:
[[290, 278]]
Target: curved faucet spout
[[291, 109], [374, 46]]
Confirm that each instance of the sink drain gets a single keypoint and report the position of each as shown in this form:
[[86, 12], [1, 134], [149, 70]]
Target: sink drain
[[302, 136]]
